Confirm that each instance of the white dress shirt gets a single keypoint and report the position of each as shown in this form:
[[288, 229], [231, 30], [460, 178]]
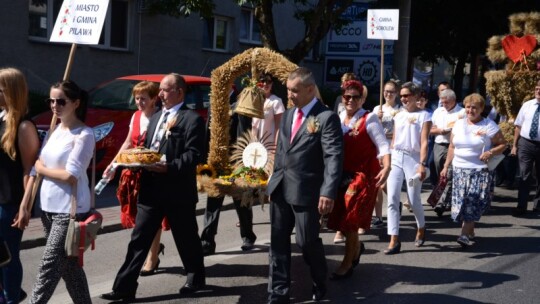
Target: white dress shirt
[[525, 117], [444, 119]]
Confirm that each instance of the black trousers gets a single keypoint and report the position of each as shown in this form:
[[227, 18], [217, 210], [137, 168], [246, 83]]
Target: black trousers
[[528, 158], [211, 220], [183, 222], [305, 219]]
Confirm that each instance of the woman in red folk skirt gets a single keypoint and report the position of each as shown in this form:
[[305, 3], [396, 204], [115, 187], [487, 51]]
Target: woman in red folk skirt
[[364, 142], [145, 94]]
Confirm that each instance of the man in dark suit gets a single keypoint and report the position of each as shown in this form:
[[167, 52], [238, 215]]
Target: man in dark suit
[[168, 189], [303, 186]]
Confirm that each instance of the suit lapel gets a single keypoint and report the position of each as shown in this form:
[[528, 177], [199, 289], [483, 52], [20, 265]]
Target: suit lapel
[[177, 119]]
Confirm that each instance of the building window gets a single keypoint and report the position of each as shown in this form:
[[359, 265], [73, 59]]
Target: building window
[[216, 34], [115, 35], [249, 27]]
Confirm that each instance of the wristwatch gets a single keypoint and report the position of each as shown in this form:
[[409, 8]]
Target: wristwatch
[[424, 163]]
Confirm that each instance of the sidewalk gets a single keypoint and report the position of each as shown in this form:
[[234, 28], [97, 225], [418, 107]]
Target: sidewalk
[[34, 235]]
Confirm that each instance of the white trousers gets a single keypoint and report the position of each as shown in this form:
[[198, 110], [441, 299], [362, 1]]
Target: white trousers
[[404, 166]]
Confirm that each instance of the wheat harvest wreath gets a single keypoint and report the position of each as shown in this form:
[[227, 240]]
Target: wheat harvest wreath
[[242, 174]]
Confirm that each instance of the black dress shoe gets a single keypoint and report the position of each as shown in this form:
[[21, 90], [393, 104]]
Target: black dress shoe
[[145, 273], [319, 291], [247, 245], [338, 277], [439, 209], [393, 250], [118, 296], [208, 249], [190, 288]]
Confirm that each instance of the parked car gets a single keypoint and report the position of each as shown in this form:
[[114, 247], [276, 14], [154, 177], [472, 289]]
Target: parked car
[[111, 106]]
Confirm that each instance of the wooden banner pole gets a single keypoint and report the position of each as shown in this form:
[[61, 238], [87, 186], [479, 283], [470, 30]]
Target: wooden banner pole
[[52, 126], [382, 75]]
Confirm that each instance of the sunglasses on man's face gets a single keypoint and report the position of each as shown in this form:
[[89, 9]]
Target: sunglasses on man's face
[[58, 101]]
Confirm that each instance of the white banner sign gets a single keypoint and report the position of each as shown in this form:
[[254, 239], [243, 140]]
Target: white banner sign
[[80, 21], [383, 24]]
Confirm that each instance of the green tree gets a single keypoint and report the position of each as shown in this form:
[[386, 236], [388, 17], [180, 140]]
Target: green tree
[[458, 30], [318, 17]]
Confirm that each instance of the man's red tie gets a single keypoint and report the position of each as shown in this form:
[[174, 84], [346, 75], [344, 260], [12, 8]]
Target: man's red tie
[[297, 123]]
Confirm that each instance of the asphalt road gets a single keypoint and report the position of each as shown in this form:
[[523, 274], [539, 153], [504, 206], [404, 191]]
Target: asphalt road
[[501, 266]]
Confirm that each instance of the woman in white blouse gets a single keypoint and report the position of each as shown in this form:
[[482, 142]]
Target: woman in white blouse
[[386, 115], [268, 127], [473, 142], [409, 161], [63, 162]]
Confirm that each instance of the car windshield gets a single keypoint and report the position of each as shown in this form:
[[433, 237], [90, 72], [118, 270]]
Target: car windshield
[[116, 95]]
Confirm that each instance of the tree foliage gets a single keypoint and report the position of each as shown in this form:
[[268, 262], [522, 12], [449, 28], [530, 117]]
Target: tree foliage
[[317, 16], [458, 30]]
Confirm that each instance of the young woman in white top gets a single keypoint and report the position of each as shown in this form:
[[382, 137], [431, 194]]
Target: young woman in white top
[[268, 128], [63, 162], [473, 142], [409, 157], [386, 115]]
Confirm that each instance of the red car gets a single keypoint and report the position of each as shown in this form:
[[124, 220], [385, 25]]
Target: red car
[[111, 106]]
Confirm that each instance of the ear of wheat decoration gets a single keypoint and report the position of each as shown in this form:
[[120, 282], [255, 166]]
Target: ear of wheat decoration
[[511, 86], [220, 162]]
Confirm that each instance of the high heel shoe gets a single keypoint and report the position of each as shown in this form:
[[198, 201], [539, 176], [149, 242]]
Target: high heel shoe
[[419, 242], [393, 250], [161, 249], [337, 277], [356, 261], [145, 273]]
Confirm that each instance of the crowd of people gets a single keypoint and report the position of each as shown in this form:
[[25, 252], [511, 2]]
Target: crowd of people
[[349, 156]]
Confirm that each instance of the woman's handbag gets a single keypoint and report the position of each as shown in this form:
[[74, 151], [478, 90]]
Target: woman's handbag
[[82, 234], [5, 255], [436, 194]]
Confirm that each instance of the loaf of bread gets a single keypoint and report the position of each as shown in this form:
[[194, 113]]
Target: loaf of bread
[[138, 156]]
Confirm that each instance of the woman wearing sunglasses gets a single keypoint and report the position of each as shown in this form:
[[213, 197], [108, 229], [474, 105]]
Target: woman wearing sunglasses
[[409, 161], [63, 162], [19, 146], [364, 141]]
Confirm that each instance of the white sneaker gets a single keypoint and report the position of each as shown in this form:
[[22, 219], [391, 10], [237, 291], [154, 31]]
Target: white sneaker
[[463, 240]]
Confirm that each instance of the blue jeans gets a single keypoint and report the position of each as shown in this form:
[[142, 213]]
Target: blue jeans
[[11, 274]]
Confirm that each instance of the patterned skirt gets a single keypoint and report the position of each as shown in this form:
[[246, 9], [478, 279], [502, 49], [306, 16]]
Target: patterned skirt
[[471, 193]]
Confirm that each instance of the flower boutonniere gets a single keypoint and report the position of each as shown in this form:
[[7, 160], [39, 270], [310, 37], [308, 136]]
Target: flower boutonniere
[[313, 125], [170, 124], [412, 119], [394, 112], [480, 132]]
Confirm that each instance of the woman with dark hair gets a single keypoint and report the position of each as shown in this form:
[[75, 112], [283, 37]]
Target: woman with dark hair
[[145, 94], [19, 146], [363, 143], [63, 162], [409, 162]]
